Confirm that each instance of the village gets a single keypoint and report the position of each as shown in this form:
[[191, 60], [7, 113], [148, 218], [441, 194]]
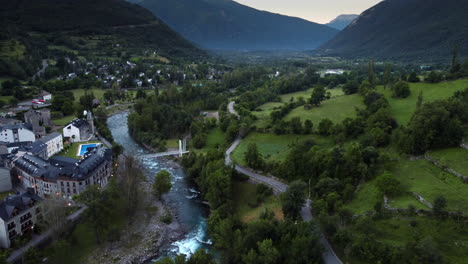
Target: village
[[38, 163]]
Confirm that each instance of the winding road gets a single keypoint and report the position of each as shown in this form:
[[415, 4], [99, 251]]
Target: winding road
[[42, 70], [329, 256]]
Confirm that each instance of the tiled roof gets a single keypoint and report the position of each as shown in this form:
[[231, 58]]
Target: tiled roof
[[64, 167]]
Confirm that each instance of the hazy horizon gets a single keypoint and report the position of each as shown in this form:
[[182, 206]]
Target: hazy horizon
[[319, 11]]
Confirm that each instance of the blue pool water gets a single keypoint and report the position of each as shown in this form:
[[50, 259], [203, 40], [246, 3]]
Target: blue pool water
[[84, 148]]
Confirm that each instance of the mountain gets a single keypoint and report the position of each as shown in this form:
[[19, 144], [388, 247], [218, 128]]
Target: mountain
[[228, 25], [101, 22], [342, 21], [404, 30]]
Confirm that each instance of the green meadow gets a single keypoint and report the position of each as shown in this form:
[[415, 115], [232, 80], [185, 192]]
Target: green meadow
[[403, 109]]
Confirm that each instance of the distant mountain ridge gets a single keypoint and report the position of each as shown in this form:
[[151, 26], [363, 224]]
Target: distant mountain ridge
[[228, 25], [342, 21], [404, 30]]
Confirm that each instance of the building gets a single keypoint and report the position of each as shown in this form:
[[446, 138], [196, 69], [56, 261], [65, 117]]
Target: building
[[4, 121], [38, 120], [46, 96], [18, 215], [37, 148], [54, 143], [16, 133], [80, 130], [5, 180], [64, 176]]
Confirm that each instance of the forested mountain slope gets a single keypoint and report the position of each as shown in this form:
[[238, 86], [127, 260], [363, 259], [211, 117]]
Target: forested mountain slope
[[228, 25], [405, 30]]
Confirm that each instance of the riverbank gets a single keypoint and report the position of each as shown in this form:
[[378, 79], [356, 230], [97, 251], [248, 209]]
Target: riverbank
[[182, 200], [142, 239]]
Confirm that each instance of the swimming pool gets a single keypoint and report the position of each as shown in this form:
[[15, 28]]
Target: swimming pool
[[84, 148]]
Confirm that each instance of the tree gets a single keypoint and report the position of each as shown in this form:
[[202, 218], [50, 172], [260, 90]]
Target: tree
[[365, 88], [413, 78], [55, 208], [162, 183], [388, 185], [325, 127], [296, 125], [371, 77], [32, 256], [308, 127], [100, 207], [267, 253], [439, 205], [293, 199], [420, 100], [351, 87], [253, 158], [455, 65], [434, 77], [387, 77], [318, 95], [401, 90]]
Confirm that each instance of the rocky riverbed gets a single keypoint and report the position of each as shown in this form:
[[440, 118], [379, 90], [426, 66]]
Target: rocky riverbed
[[143, 238]]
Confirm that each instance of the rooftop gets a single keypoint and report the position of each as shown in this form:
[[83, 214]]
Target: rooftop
[[50, 137], [19, 202], [62, 166]]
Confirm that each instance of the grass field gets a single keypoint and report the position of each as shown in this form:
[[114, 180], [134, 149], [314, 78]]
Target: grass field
[[64, 120], [265, 110], [172, 143], [275, 147], [451, 239], [429, 181], [244, 203], [98, 93], [454, 158], [336, 109], [403, 109], [12, 49], [215, 138]]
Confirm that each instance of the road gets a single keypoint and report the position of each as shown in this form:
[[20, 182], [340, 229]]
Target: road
[[329, 255], [43, 238], [231, 109], [41, 71]]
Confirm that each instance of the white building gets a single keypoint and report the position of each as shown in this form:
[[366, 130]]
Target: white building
[[46, 96], [16, 133], [54, 143], [18, 215], [80, 130]]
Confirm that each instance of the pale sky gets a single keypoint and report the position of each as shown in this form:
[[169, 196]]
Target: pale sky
[[320, 11]]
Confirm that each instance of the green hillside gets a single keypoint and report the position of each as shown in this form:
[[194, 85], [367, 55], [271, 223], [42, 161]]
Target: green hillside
[[37, 29]]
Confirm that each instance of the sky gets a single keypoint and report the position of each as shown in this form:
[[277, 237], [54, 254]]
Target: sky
[[320, 11]]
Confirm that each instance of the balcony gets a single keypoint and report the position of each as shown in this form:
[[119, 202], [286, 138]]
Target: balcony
[[25, 217]]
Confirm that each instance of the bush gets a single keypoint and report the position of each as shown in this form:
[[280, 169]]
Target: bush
[[401, 90], [167, 218]]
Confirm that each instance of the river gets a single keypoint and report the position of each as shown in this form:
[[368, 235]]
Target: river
[[183, 197]]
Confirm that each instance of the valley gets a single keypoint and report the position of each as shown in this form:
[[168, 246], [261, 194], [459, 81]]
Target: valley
[[211, 132]]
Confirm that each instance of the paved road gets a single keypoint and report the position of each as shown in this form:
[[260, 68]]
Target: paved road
[[41, 71], [231, 109], [329, 255], [42, 238]]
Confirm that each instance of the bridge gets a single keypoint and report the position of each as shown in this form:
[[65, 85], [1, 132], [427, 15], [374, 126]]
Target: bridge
[[181, 151]]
